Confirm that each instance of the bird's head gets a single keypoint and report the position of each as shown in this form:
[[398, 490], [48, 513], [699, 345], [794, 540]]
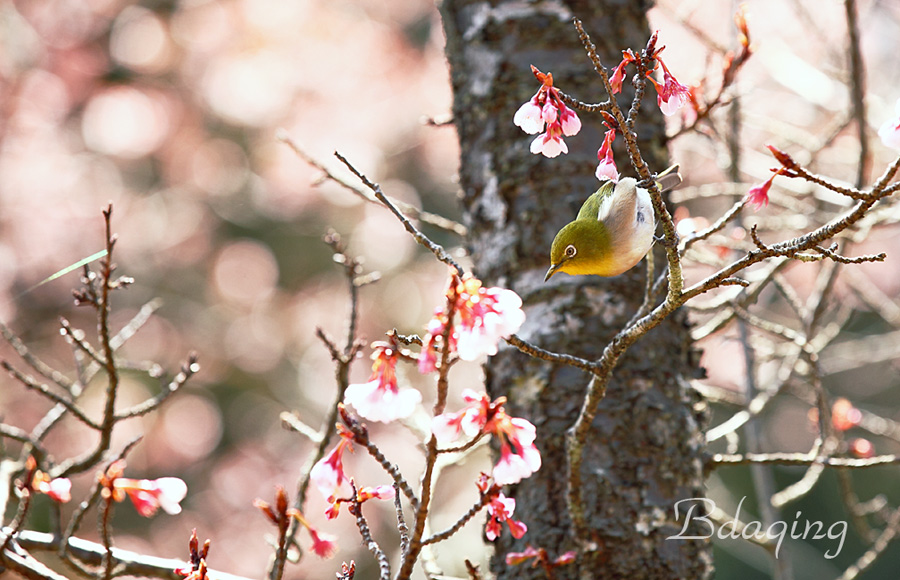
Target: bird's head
[[582, 247]]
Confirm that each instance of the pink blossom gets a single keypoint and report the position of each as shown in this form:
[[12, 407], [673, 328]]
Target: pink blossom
[[549, 113], [530, 117], [550, 144], [381, 399], [672, 95], [540, 555], [546, 107], [59, 489], [333, 511], [363, 494], [324, 545], [618, 77], [149, 495], [844, 415], [435, 329], [328, 474], [500, 509], [514, 467], [759, 195], [519, 457], [448, 426], [570, 122], [890, 131], [606, 169], [486, 316], [377, 492], [862, 448]]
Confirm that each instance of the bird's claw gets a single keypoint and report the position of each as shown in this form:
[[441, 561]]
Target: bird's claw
[[665, 242]]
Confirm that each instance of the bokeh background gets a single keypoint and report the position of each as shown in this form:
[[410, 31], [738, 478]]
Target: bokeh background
[[169, 110]]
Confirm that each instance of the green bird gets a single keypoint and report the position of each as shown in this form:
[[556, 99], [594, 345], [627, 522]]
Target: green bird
[[613, 230]]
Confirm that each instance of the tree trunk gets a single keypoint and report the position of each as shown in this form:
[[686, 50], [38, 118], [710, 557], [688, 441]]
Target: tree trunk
[[646, 451]]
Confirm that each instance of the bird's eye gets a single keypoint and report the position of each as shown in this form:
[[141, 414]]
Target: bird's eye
[[570, 251]]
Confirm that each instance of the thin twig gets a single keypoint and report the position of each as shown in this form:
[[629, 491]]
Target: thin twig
[[421, 238], [384, 565], [414, 212], [801, 459], [865, 561], [188, 369], [463, 520]]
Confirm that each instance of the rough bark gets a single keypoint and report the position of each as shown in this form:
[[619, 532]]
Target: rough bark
[[646, 451]]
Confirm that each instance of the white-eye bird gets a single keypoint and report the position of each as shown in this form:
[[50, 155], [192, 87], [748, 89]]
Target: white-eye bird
[[613, 230]]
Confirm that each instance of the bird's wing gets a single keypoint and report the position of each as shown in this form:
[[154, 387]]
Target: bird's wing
[[597, 206]]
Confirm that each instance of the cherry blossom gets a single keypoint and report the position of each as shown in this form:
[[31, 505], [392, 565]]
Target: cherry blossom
[[862, 448], [59, 489], [323, 545], [380, 399], [550, 144], [519, 457], [435, 329], [486, 315], [671, 95], [147, 495], [530, 116], [618, 76], [328, 474], [377, 492], [540, 556], [515, 558], [363, 494], [546, 107], [500, 509], [759, 195], [471, 420], [606, 169]]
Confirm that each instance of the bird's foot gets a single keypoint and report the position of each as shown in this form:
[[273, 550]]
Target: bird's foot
[[665, 241]]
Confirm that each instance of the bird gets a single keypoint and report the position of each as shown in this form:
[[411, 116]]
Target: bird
[[613, 231]]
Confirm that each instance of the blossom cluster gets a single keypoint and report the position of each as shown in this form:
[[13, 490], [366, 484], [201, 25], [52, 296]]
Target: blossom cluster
[[471, 323], [519, 457], [500, 510], [486, 315], [546, 107]]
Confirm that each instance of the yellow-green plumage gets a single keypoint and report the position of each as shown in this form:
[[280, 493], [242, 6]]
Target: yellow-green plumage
[[612, 232]]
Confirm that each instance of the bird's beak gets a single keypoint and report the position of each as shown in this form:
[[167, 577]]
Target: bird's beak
[[553, 270]]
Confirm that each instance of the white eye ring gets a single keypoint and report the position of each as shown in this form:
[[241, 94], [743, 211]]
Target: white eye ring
[[571, 251]]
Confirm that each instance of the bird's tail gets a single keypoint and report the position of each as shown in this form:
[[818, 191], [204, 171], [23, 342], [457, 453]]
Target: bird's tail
[[669, 179]]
